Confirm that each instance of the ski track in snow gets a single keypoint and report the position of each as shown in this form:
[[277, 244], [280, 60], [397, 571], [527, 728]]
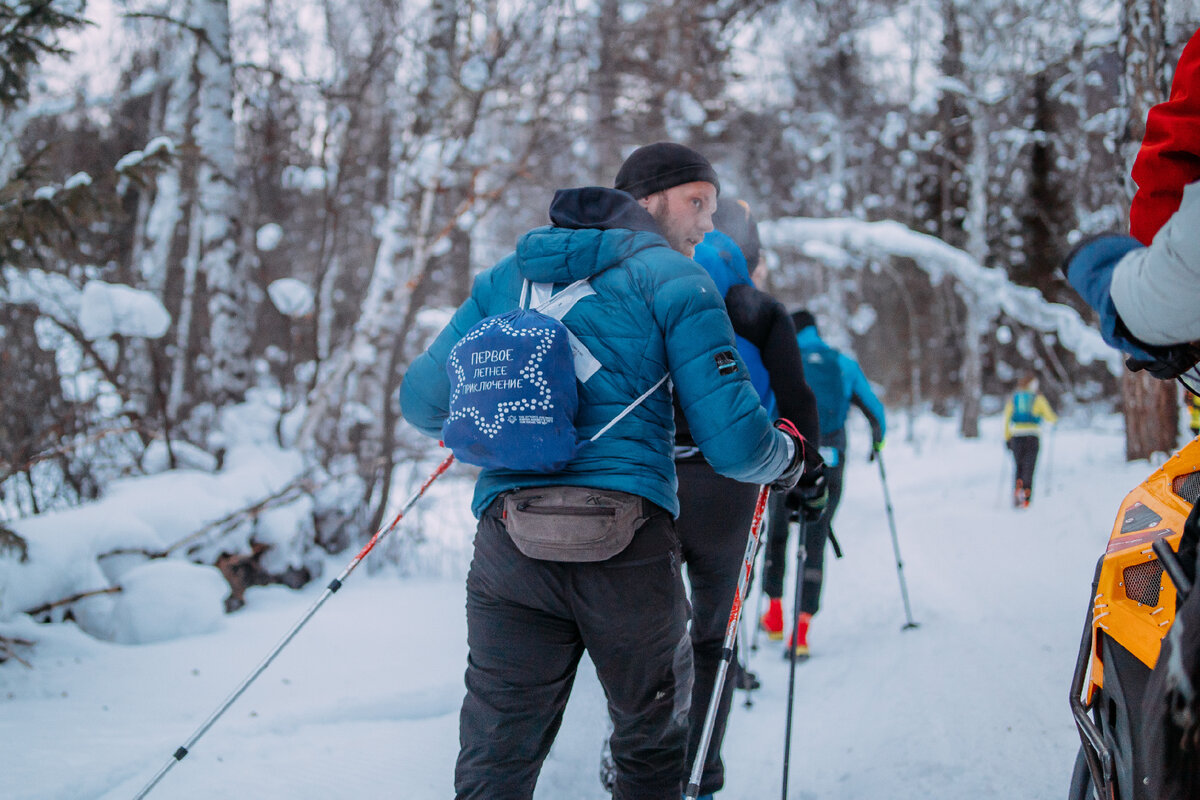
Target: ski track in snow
[[364, 701]]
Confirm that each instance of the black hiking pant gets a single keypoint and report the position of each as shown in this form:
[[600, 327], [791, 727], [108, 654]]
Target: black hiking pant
[[816, 534], [714, 526], [528, 624], [1025, 453]]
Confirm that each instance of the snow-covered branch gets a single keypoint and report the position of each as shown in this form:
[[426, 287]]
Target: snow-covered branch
[[834, 242]]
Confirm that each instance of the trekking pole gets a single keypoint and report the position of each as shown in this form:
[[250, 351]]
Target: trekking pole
[[735, 613], [801, 557], [755, 621], [334, 585], [762, 587], [1004, 478], [887, 498], [1050, 460]]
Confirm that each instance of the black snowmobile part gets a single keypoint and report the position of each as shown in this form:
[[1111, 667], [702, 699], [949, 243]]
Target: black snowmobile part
[[1098, 755], [1110, 735]]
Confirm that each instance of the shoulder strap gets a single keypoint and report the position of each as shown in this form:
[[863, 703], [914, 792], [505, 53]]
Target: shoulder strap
[[586, 365], [631, 407]]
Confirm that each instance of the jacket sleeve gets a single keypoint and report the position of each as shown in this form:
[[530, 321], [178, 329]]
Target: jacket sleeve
[[1042, 409], [1169, 157], [724, 414], [1156, 290], [765, 323], [425, 390], [864, 398], [1090, 268], [1008, 412]]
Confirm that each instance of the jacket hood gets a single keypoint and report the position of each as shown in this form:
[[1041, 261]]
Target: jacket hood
[[722, 259], [809, 338], [599, 208], [593, 229]]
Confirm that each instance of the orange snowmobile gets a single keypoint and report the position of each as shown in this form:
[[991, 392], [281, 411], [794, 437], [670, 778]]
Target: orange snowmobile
[[1131, 749]]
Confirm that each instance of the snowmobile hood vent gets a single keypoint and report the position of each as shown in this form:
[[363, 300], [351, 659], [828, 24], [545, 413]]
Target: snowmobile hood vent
[[1187, 486], [1143, 582]]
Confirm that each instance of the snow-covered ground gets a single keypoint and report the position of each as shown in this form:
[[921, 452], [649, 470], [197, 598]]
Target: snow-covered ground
[[363, 703]]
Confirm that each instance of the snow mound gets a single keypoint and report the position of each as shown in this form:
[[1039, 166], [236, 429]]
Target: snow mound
[[293, 298], [110, 308], [168, 599]]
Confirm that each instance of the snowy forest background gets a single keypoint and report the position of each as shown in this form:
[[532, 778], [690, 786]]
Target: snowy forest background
[[219, 219]]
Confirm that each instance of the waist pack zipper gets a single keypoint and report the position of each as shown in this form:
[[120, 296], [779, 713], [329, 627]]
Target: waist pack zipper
[[570, 511]]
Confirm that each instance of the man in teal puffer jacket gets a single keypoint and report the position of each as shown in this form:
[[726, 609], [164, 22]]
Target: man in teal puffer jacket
[[654, 311]]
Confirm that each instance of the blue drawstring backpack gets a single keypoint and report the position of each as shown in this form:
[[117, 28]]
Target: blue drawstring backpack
[[513, 396]]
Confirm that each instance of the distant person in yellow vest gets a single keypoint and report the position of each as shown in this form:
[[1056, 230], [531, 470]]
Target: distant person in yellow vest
[[1023, 416], [1193, 407]]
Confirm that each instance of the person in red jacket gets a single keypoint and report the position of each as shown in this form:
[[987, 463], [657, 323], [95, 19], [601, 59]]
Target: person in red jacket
[[1145, 287], [1169, 158]]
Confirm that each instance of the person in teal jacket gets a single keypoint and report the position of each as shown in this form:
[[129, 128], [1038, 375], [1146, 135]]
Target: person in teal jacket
[[529, 620], [838, 382]]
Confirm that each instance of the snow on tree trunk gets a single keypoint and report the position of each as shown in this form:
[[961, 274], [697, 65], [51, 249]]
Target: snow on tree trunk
[[420, 157], [386, 301], [978, 322], [166, 210], [226, 269]]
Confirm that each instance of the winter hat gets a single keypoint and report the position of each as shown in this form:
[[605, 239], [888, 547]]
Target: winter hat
[[660, 166], [733, 218], [803, 319]]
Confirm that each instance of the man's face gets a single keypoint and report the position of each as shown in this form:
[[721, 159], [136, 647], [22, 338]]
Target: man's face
[[684, 213]]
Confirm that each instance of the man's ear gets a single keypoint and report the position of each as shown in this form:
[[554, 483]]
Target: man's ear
[[648, 200]]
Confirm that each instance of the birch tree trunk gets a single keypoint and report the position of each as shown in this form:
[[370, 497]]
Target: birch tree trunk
[[225, 267], [1150, 405], [977, 322]]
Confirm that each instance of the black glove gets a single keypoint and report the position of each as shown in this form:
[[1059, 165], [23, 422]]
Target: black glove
[[1169, 362], [787, 479], [810, 496]]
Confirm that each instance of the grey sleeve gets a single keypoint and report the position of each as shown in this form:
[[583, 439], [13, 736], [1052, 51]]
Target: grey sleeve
[[1156, 289]]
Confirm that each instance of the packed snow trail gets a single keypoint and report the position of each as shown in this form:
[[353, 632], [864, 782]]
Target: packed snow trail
[[364, 702]]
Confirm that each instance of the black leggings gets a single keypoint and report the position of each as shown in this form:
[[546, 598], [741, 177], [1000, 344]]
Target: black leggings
[[816, 534], [1025, 453], [714, 528]]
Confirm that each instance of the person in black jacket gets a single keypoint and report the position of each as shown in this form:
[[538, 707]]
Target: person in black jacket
[[715, 512]]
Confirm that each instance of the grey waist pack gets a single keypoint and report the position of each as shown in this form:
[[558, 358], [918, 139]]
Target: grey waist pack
[[572, 523]]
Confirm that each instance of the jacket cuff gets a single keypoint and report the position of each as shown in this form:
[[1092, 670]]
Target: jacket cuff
[[1090, 272]]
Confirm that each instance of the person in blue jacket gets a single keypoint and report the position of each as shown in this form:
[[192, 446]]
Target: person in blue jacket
[[838, 382], [716, 511], [651, 311]]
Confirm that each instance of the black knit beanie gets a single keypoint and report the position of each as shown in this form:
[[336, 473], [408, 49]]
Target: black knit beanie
[[803, 319], [733, 218], [660, 166]]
